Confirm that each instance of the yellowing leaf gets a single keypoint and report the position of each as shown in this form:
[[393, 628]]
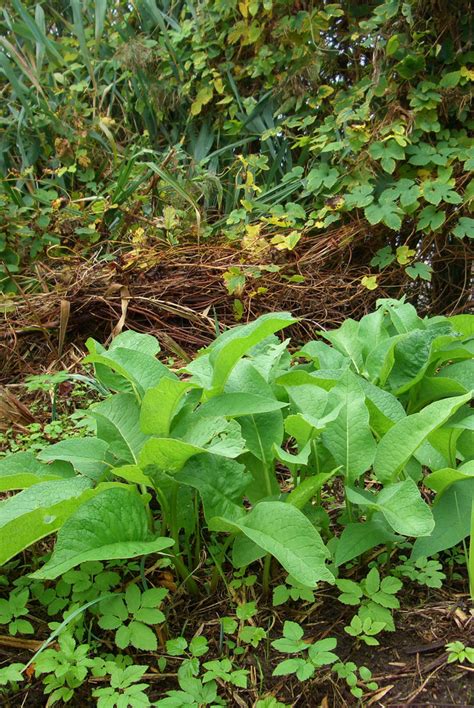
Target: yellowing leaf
[[404, 254], [204, 96], [369, 282], [325, 91]]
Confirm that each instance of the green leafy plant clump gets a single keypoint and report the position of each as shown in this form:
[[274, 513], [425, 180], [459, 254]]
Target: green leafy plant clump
[[241, 447]]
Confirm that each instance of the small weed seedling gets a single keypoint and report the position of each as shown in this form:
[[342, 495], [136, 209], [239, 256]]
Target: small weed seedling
[[12, 611], [458, 652], [191, 652], [376, 599], [348, 671], [315, 655], [421, 571], [11, 675], [222, 670], [125, 689], [194, 692], [66, 668], [129, 614], [291, 590]]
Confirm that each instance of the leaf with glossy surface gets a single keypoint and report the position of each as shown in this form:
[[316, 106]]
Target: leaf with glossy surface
[[37, 512], [21, 470]]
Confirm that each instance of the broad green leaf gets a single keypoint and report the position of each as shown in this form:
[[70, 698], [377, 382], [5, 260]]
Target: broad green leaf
[[299, 460], [239, 404], [233, 344], [452, 516], [171, 454], [404, 509], [401, 504], [37, 512], [384, 408], [261, 433], [284, 532], [118, 424], [345, 339], [307, 489], [324, 378], [111, 526], [137, 341], [380, 360], [411, 359], [309, 399], [461, 371], [434, 388], [464, 324], [442, 479], [402, 315], [323, 356], [21, 470], [348, 437], [300, 429], [86, 455], [245, 552], [134, 474], [406, 436], [160, 404], [221, 484], [356, 539], [141, 370]]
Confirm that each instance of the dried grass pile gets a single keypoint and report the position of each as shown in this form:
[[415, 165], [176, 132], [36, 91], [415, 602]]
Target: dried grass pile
[[179, 294]]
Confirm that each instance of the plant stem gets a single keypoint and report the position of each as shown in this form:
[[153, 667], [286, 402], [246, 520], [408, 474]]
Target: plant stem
[[180, 567], [267, 564], [268, 481], [348, 506]]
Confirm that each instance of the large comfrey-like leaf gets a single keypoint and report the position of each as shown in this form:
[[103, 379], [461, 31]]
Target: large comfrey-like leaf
[[87, 455], [39, 511], [137, 367], [113, 525], [287, 534], [384, 408], [21, 470], [118, 423], [160, 405], [405, 437], [211, 435], [221, 484], [357, 538], [402, 506], [452, 517], [346, 340], [442, 479], [232, 345], [348, 437]]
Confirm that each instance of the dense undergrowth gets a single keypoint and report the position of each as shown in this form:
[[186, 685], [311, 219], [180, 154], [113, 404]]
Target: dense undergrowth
[[263, 122], [257, 471]]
